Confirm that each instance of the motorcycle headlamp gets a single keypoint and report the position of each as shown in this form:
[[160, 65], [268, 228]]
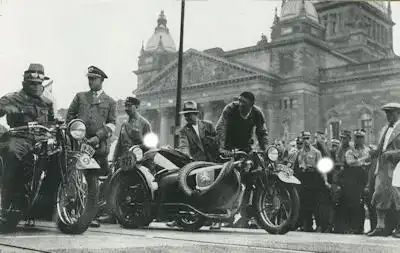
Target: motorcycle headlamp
[[138, 152], [272, 153], [77, 129]]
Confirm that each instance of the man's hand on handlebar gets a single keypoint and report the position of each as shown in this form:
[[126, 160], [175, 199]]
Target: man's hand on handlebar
[[94, 141], [225, 153]]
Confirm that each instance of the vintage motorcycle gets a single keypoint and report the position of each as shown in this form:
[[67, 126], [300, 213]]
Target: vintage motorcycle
[[166, 184], [62, 178]]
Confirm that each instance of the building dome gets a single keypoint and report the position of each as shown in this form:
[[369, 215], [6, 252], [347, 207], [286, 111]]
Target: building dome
[[293, 8], [161, 39]]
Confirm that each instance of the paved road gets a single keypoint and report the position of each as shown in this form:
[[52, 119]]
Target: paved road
[[158, 238]]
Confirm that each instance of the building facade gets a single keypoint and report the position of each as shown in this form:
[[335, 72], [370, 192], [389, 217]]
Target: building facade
[[329, 65]]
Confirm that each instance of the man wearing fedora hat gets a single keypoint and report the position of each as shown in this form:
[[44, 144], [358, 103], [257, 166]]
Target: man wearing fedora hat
[[98, 111], [22, 107], [197, 137], [386, 196]]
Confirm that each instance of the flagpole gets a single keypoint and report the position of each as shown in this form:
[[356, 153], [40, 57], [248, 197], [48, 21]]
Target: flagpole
[[179, 81]]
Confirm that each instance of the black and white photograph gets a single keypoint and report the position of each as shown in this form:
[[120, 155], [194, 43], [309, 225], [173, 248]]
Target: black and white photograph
[[194, 126]]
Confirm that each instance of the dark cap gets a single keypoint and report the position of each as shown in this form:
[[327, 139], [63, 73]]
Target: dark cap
[[321, 132], [96, 72], [305, 135], [335, 142], [359, 133], [345, 133], [35, 73], [132, 101]]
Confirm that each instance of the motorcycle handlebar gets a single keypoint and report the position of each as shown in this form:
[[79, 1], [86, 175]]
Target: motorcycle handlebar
[[34, 126], [233, 154]]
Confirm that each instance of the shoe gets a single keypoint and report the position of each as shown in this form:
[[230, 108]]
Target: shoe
[[95, 224], [379, 232], [215, 226], [396, 233], [172, 224]]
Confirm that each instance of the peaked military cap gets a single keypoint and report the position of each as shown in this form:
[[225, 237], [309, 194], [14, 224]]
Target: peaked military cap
[[299, 140], [391, 106], [96, 72], [345, 133], [305, 134], [132, 100], [335, 142], [35, 73], [321, 132], [359, 132]]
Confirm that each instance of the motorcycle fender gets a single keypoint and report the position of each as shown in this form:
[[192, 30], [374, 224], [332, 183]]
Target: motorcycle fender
[[85, 162], [142, 172], [290, 179]]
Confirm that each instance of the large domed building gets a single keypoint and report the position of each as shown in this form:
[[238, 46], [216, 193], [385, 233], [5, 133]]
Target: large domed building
[[328, 65]]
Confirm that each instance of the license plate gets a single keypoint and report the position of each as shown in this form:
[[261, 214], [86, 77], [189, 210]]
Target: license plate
[[87, 149]]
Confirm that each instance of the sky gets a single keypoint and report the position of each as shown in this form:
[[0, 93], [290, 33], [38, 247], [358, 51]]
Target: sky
[[67, 36]]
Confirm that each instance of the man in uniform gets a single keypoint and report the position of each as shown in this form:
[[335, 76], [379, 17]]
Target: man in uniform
[[98, 111], [22, 107], [133, 131], [311, 181], [340, 214], [387, 190], [355, 176], [236, 125]]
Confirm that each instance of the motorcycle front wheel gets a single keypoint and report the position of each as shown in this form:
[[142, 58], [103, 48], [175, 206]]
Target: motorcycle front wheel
[[130, 200], [277, 207], [77, 202]]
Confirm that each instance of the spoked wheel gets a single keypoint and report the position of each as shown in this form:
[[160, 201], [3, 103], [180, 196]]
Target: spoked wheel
[[77, 202], [191, 222], [277, 207], [130, 199]]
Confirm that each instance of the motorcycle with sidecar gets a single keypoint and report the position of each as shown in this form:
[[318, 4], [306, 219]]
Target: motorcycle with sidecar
[[165, 184]]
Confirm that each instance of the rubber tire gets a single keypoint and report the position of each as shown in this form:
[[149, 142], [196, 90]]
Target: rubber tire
[[191, 227], [294, 215], [10, 224], [90, 211], [114, 190]]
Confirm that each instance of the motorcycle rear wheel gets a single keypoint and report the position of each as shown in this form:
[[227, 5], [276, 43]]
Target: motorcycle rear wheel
[[130, 200], [288, 207], [81, 224]]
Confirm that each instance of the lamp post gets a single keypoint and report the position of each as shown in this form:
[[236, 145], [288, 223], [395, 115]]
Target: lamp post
[[179, 83]]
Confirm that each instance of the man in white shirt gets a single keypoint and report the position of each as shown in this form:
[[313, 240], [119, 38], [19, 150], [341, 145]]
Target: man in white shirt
[[386, 197]]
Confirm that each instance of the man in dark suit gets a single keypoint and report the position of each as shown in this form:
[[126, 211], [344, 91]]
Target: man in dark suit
[[98, 111], [198, 137]]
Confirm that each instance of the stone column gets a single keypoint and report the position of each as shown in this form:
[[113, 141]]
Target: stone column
[[208, 111], [164, 126]]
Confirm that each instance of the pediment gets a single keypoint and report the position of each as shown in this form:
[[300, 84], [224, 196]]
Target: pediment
[[198, 68]]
